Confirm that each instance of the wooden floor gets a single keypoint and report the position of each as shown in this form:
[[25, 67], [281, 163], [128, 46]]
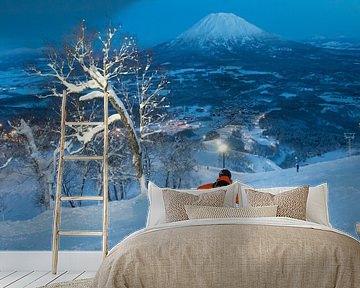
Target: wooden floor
[[32, 279]]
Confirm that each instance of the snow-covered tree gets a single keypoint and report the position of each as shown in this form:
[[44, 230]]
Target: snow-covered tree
[[120, 172], [91, 67], [41, 162], [146, 101], [177, 158]]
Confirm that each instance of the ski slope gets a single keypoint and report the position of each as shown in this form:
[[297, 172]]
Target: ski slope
[[127, 216]]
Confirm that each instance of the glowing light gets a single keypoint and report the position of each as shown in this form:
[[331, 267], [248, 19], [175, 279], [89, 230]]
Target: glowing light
[[223, 148]]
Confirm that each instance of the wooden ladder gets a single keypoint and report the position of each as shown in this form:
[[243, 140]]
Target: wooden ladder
[[59, 198]]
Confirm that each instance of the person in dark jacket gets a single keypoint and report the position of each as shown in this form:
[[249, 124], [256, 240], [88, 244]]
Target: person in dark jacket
[[224, 179]]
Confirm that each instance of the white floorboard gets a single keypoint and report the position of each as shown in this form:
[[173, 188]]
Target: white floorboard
[[87, 275], [34, 279], [68, 276], [28, 279], [4, 274], [12, 278], [30, 269], [46, 279]]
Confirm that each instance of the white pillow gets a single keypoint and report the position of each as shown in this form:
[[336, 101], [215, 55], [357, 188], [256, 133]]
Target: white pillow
[[156, 214], [317, 203]]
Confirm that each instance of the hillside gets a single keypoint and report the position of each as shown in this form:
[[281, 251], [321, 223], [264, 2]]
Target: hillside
[[127, 216], [300, 96]]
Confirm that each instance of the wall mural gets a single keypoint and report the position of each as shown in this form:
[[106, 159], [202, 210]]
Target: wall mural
[[187, 99]]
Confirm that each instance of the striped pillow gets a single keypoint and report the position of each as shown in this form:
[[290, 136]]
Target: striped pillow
[[201, 212]]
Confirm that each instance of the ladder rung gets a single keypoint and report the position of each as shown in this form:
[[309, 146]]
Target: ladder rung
[[82, 198], [80, 233], [83, 158], [84, 123]]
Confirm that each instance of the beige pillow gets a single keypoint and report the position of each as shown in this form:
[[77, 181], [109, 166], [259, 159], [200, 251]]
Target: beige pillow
[[201, 212], [317, 202], [156, 213], [290, 203], [175, 201]]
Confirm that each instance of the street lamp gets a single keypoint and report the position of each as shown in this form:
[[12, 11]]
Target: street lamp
[[349, 137], [223, 148]]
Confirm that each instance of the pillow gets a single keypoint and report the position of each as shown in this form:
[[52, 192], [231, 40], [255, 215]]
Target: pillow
[[156, 213], [201, 212], [316, 207], [175, 201], [290, 203]]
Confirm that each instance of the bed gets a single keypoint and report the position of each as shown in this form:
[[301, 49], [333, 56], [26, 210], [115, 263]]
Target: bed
[[234, 252]]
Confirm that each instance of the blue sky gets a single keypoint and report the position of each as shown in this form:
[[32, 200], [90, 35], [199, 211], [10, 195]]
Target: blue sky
[[25, 23]]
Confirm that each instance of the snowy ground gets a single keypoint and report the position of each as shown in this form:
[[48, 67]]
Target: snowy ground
[[125, 217], [211, 156], [129, 215], [330, 156]]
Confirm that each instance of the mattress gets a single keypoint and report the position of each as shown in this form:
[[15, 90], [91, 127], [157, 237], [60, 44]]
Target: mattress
[[233, 252]]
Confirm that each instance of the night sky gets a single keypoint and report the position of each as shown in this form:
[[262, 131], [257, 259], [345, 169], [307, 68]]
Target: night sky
[[30, 24]]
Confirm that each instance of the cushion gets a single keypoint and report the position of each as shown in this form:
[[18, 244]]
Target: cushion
[[290, 203], [175, 202], [201, 212], [316, 207], [156, 213]]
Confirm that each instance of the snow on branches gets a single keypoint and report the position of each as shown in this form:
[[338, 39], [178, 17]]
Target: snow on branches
[[6, 163], [40, 163], [94, 65]]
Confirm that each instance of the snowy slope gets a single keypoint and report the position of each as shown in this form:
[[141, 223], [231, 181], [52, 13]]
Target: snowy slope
[[330, 156], [220, 29], [127, 216], [249, 162]]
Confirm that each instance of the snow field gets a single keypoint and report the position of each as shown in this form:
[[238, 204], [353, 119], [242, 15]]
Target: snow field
[[127, 216]]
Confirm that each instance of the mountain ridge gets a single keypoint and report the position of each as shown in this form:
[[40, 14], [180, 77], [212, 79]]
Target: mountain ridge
[[220, 37]]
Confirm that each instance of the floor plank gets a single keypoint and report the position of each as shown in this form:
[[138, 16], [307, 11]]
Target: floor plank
[[80, 275], [86, 275], [34, 279], [5, 274], [46, 279], [28, 279], [68, 276], [12, 278]]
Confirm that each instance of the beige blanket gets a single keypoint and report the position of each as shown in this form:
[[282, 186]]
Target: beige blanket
[[276, 252]]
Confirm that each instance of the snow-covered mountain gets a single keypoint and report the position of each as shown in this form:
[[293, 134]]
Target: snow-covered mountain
[[225, 30]]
